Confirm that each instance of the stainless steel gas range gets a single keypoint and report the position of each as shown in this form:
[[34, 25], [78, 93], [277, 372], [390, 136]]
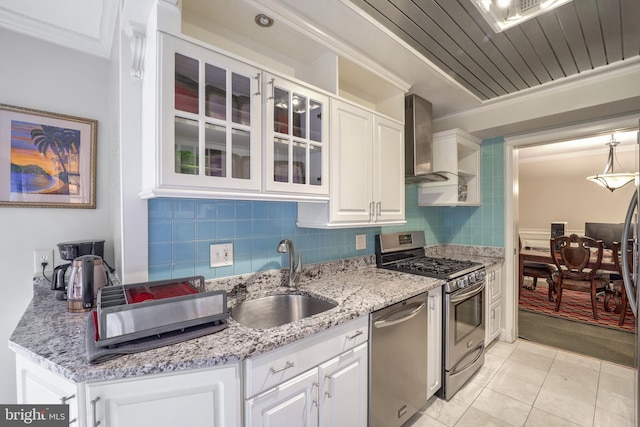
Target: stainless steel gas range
[[463, 303]]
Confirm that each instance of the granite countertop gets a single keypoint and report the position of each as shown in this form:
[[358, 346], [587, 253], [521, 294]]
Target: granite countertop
[[55, 339]]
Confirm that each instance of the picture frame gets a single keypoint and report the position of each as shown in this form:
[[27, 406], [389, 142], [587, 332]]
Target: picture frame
[[47, 160]]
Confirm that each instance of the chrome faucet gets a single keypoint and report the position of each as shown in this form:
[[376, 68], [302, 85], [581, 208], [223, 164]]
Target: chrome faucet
[[294, 268]]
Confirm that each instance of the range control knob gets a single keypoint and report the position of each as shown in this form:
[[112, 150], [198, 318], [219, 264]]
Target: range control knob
[[463, 283], [472, 277], [481, 274]]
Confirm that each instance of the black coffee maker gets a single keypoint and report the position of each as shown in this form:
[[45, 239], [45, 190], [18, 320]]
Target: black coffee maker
[[68, 252]]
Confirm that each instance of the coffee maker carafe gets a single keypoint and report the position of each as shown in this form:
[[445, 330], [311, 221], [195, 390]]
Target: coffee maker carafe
[[88, 275], [68, 252]]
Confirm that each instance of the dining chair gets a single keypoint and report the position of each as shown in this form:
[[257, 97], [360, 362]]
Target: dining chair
[[539, 270], [572, 255], [616, 252]]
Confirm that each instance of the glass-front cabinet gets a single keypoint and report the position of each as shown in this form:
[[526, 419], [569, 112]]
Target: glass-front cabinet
[[296, 138], [211, 119]]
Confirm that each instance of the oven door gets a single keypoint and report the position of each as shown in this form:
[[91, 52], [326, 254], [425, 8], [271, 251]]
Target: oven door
[[464, 332]]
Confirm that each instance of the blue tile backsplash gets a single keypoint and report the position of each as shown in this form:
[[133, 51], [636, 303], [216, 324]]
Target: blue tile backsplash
[[181, 230]]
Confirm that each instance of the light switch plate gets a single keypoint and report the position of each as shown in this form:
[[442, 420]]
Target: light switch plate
[[221, 255], [361, 242]]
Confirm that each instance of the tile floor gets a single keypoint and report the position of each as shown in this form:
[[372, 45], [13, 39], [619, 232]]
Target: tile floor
[[527, 384]]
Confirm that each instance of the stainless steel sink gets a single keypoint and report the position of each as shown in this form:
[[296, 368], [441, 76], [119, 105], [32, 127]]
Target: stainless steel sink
[[276, 310]]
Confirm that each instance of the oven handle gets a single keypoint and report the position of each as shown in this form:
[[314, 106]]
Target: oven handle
[[459, 296], [455, 369], [392, 320]]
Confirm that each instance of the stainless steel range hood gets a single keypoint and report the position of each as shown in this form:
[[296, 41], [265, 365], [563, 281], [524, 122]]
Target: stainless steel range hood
[[418, 140]]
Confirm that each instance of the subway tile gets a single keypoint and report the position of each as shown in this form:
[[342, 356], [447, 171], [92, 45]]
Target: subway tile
[[184, 231], [183, 270], [160, 209], [205, 229], [226, 210], [184, 252], [160, 232], [184, 209], [160, 254], [205, 209]]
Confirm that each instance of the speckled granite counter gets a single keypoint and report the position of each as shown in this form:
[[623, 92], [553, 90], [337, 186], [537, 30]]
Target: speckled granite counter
[[55, 339]]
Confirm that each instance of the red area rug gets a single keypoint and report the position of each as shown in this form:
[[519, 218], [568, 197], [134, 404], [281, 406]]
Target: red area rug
[[575, 306]]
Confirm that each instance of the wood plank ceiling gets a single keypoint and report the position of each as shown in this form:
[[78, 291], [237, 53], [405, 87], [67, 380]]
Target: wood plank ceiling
[[576, 37]]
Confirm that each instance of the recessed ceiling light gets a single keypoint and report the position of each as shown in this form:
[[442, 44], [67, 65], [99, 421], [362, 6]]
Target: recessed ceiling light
[[503, 14], [264, 21]]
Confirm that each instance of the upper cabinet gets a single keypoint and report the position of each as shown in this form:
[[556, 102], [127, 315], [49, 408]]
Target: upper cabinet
[[230, 129], [457, 154], [210, 120], [296, 138], [367, 172]]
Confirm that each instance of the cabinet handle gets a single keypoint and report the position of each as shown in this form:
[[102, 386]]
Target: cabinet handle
[[432, 303], [315, 401], [273, 89], [354, 336], [258, 77], [285, 367], [63, 400], [371, 210], [96, 423], [330, 381], [379, 210]]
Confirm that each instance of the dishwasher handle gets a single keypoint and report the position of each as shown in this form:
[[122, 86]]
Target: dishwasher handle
[[393, 319]]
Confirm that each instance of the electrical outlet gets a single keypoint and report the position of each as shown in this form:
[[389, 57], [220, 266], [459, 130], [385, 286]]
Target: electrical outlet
[[221, 255], [361, 242], [40, 256]]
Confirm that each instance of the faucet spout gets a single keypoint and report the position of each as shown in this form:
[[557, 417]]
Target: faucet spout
[[285, 246]]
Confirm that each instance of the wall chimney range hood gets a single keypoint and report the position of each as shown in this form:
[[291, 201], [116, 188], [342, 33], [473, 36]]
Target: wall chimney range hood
[[418, 142]]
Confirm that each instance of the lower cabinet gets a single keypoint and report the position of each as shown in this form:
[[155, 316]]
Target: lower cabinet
[[318, 381], [434, 341], [493, 305], [203, 397], [208, 397]]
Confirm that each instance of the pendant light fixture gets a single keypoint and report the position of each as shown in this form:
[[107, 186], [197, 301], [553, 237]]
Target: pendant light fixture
[[608, 179]]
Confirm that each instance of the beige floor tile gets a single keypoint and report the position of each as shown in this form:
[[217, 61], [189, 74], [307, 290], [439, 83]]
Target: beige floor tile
[[578, 359], [540, 349], [448, 413], [422, 420], [502, 348], [502, 407], [572, 387], [531, 359], [483, 376], [469, 392], [615, 395], [565, 407], [618, 370], [604, 418], [477, 418], [579, 373], [540, 418], [515, 387]]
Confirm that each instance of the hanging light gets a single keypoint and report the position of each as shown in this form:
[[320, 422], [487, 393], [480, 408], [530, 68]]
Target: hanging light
[[608, 179]]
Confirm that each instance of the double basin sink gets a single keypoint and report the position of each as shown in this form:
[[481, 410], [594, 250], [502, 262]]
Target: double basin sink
[[276, 310]]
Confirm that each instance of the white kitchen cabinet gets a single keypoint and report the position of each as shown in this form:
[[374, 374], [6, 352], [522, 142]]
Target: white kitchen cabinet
[[493, 305], [297, 135], [39, 386], [434, 341], [367, 172], [343, 389], [205, 397], [210, 122], [456, 154], [209, 139], [319, 379]]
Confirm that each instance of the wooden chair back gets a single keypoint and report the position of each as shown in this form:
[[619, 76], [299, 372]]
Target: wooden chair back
[[573, 253]]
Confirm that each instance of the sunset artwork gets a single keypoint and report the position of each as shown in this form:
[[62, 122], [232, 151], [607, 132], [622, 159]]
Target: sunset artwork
[[44, 159]]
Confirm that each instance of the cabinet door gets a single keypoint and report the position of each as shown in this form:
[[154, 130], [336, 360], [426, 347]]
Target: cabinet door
[[36, 385], [351, 164], [388, 174], [292, 404], [434, 342], [343, 388], [211, 119], [495, 322], [297, 130], [208, 398]]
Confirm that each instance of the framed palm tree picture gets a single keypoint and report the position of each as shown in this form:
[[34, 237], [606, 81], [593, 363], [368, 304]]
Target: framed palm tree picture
[[47, 160]]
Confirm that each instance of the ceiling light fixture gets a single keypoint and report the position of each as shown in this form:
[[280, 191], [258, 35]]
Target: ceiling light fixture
[[264, 20], [608, 179], [503, 14]]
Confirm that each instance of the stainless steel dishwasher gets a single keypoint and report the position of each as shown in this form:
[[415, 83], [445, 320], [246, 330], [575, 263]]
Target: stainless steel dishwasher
[[398, 362]]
